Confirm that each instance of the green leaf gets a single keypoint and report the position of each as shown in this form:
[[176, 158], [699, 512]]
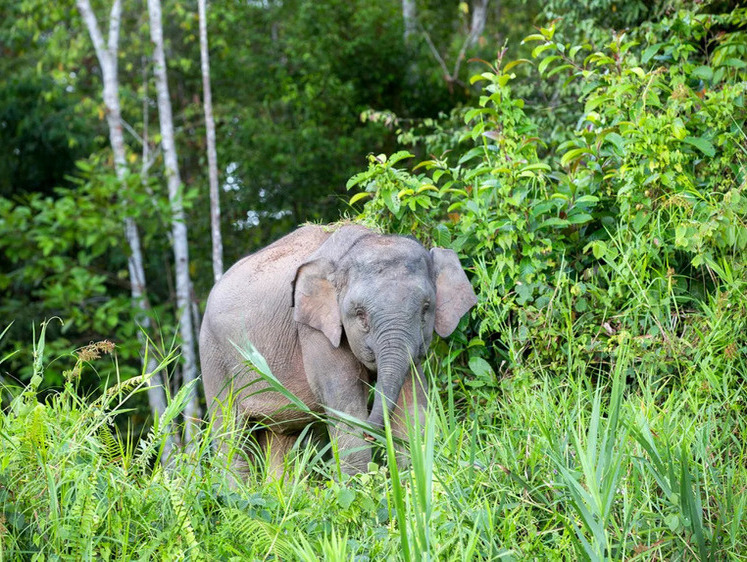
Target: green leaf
[[401, 155], [704, 73], [478, 77], [599, 249], [515, 63], [391, 200], [533, 37], [427, 187], [557, 69], [702, 144], [617, 141], [680, 236], [584, 199], [735, 63], [679, 129], [524, 291], [481, 368], [537, 51], [345, 497], [442, 236], [554, 221], [575, 49], [650, 52], [537, 166], [548, 31], [472, 113], [640, 220], [543, 207], [358, 196], [356, 179], [579, 218], [572, 155], [546, 62]]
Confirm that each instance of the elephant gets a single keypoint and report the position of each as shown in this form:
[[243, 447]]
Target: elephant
[[333, 310]]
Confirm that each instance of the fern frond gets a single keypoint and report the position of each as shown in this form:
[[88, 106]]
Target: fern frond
[[265, 537], [163, 424], [82, 514], [182, 515], [125, 386], [36, 429], [112, 447]]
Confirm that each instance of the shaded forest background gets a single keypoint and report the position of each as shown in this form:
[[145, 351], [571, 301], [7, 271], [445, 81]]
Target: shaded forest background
[[306, 95], [303, 92]]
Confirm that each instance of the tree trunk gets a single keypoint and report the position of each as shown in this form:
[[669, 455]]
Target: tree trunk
[[479, 17], [207, 99], [178, 224], [107, 57], [409, 16]]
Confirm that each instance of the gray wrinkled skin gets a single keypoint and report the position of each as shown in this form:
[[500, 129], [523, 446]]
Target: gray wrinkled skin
[[332, 312]]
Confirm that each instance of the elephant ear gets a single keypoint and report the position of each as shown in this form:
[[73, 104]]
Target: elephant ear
[[315, 299], [454, 293]]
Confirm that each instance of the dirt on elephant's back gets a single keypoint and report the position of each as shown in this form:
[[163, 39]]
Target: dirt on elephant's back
[[298, 244], [273, 255]]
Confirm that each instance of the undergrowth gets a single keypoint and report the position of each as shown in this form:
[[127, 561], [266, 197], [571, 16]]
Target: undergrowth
[[632, 468]]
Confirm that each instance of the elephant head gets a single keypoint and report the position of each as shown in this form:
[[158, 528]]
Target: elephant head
[[384, 296]]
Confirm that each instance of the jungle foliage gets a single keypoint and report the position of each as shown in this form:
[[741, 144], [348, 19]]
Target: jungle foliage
[[638, 208], [592, 179], [290, 79]]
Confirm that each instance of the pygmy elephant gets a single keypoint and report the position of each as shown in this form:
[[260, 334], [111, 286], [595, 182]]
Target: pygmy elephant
[[332, 309]]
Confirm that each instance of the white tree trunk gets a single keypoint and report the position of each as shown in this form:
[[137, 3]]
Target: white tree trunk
[[409, 15], [207, 99], [178, 225], [107, 57], [479, 17]]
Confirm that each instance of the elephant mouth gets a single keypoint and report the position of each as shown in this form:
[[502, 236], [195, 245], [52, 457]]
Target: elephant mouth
[[368, 358]]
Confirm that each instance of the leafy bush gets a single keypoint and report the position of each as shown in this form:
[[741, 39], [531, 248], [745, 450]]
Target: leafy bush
[[640, 212], [70, 264]]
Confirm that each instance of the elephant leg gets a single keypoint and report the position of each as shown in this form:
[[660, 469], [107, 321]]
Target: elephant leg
[[410, 410], [239, 466], [340, 383], [353, 449], [233, 445], [276, 446]]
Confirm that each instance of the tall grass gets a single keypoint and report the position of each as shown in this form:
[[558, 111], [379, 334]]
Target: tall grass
[[628, 468]]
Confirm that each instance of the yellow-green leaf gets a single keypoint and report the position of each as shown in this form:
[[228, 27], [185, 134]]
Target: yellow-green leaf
[[358, 196]]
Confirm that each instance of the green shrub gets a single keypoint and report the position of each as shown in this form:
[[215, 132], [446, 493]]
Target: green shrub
[[639, 210]]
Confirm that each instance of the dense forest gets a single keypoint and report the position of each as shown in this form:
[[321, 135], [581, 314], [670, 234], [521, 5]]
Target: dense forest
[[587, 161]]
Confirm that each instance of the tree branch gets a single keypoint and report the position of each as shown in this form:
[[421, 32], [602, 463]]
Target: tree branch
[[114, 18], [477, 26], [89, 18], [436, 54]]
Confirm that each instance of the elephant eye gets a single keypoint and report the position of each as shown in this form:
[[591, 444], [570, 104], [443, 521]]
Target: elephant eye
[[362, 317], [424, 315]]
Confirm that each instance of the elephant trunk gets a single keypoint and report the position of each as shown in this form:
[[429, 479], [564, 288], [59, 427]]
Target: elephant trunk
[[393, 367]]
